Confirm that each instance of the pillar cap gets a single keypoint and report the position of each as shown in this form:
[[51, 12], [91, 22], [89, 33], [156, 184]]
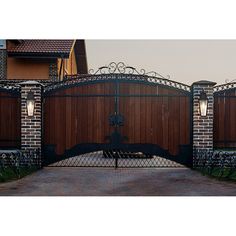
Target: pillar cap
[[204, 82], [30, 82]]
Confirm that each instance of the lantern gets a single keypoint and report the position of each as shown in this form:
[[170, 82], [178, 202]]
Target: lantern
[[30, 103], [203, 102]]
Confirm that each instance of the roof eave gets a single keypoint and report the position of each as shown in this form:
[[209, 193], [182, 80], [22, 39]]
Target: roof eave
[[37, 55]]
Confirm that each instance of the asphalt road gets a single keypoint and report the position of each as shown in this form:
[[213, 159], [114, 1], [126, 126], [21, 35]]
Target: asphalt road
[[72, 181]]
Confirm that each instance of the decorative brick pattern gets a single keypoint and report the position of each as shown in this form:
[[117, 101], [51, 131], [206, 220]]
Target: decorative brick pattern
[[3, 64], [31, 127], [202, 125], [53, 72]]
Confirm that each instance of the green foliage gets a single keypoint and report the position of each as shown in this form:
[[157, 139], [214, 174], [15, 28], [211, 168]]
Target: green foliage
[[9, 173], [225, 173], [14, 164]]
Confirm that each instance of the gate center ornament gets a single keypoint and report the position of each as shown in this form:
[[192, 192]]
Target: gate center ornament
[[116, 120]]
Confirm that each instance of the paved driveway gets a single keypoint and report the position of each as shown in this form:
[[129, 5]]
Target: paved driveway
[[71, 181]]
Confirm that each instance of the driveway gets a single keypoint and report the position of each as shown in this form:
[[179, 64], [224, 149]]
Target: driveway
[[72, 181]]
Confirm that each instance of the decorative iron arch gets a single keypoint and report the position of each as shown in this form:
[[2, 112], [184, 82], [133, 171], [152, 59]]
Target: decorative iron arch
[[10, 88], [225, 87], [119, 72]]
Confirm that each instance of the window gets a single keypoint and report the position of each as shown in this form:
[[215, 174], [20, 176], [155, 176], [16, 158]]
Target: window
[[2, 44]]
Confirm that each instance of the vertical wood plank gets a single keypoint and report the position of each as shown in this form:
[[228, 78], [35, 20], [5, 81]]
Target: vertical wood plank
[[142, 115], [159, 120], [136, 115]]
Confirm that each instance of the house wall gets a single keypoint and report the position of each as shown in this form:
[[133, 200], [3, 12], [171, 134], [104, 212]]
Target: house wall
[[22, 68], [69, 65], [40, 69]]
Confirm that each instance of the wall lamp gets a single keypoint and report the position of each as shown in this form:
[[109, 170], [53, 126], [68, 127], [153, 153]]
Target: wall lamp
[[203, 103], [30, 103]]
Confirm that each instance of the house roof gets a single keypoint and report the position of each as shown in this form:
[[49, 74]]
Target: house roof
[[41, 48]]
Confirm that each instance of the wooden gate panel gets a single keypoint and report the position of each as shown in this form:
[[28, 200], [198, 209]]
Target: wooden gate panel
[[10, 119], [77, 115], [224, 119], [142, 115], [153, 114], [163, 120]]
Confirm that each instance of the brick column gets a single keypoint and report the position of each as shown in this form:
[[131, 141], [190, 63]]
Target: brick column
[[31, 127], [202, 125]]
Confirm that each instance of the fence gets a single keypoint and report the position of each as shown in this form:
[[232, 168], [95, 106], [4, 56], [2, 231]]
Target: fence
[[217, 130]]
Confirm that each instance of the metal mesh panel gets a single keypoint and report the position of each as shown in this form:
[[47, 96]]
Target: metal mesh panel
[[93, 159], [101, 159], [154, 161]]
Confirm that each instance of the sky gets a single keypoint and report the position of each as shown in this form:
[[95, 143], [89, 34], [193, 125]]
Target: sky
[[184, 61]]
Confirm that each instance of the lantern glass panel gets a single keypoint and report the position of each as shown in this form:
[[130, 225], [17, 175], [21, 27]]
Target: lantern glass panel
[[203, 107]]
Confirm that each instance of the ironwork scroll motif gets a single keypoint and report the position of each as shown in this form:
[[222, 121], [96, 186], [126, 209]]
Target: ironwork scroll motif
[[228, 81], [9, 86], [121, 68], [224, 87], [118, 71]]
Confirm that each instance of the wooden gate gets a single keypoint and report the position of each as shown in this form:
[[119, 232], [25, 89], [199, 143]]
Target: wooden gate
[[128, 113], [9, 117], [225, 116]]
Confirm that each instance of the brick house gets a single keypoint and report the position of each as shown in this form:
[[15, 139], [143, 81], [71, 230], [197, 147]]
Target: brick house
[[41, 59]]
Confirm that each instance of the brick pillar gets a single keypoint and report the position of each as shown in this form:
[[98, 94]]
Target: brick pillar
[[3, 64], [31, 127], [202, 125]]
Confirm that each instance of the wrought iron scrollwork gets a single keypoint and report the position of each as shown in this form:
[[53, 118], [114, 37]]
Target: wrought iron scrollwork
[[223, 87], [116, 120], [10, 86], [121, 68], [229, 84], [118, 71], [228, 81]]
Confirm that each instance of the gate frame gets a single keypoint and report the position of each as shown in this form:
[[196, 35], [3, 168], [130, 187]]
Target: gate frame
[[125, 74]]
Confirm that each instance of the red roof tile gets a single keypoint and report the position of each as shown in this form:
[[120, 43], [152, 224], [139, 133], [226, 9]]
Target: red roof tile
[[44, 48]]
